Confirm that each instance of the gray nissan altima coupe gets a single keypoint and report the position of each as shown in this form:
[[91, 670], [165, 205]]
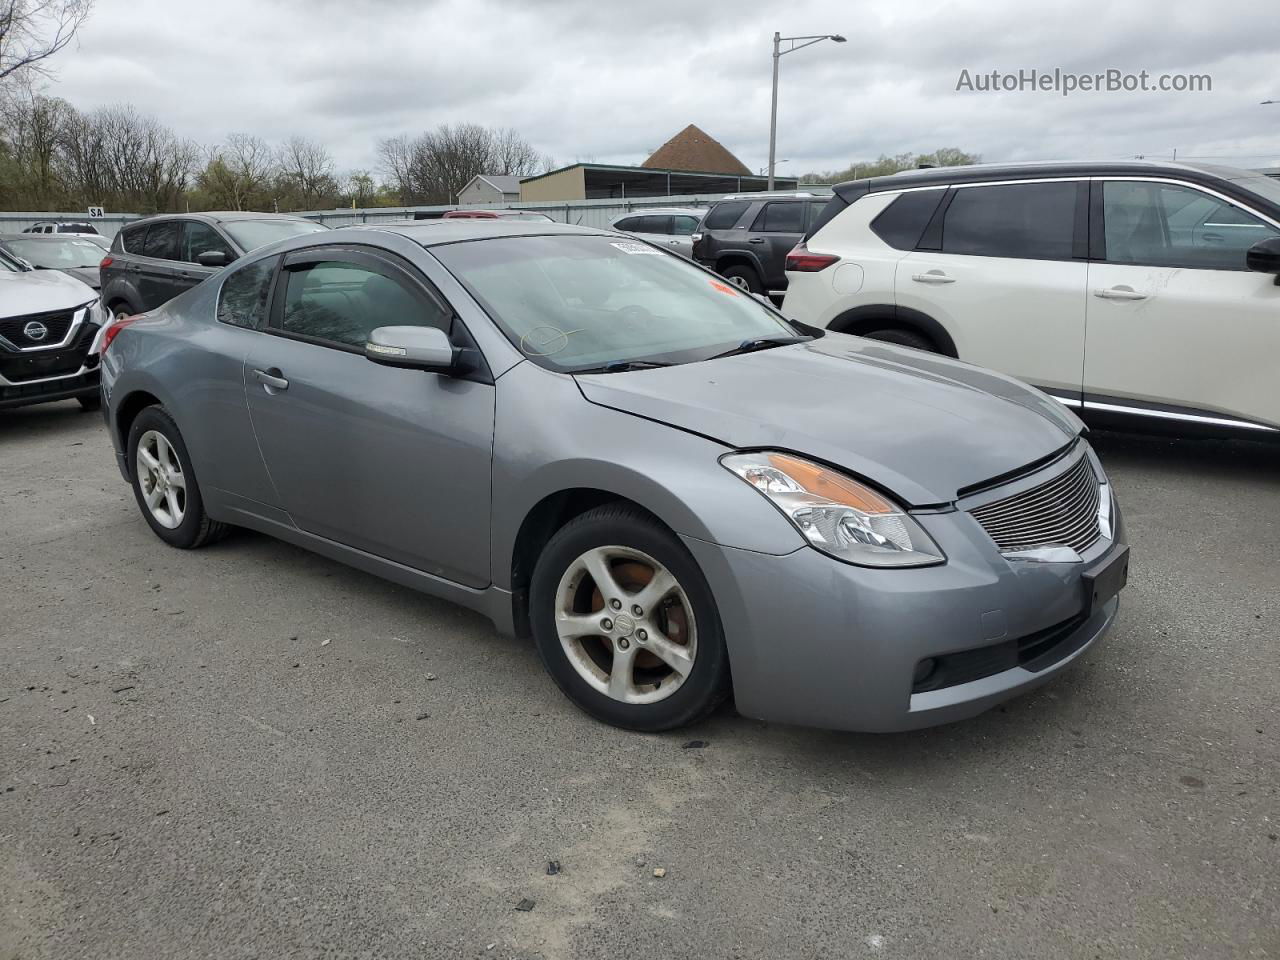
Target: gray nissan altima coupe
[[676, 492]]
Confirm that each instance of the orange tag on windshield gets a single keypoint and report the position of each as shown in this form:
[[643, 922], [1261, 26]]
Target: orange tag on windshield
[[723, 287]]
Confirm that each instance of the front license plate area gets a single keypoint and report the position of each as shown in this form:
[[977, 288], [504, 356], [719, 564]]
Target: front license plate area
[[1105, 580]]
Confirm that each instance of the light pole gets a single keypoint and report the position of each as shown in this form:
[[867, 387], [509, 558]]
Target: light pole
[[778, 53]]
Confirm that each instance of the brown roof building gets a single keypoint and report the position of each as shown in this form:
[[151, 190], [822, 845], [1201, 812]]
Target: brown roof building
[[695, 149]]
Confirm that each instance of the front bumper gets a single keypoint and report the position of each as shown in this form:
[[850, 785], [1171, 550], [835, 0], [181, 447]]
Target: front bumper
[[821, 643], [81, 384]]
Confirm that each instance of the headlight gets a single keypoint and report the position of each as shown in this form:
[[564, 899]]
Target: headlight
[[837, 514]]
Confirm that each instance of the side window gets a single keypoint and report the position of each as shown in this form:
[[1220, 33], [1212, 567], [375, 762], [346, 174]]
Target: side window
[[162, 240], [1026, 221], [725, 215], [131, 239], [785, 216], [242, 301], [682, 225], [1159, 224], [341, 303], [198, 238], [630, 223], [902, 222], [655, 223]]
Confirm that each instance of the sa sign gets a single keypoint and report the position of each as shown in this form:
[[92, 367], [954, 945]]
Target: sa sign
[[96, 213]]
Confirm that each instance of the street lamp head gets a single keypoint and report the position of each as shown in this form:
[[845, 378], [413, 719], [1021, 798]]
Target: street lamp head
[[837, 38]]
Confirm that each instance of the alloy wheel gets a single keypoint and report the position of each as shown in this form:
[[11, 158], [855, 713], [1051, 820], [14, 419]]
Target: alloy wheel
[[626, 625], [740, 282], [161, 480]]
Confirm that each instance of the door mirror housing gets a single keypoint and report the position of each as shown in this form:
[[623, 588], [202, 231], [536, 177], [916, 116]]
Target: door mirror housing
[[414, 348], [1264, 257], [213, 258]]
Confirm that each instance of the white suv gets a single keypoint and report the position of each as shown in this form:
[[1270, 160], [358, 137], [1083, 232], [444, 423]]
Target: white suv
[[1143, 292]]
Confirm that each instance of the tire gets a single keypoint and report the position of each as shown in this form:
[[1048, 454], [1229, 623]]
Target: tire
[[903, 338], [185, 525], [743, 276], [91, 402], [121, 308], [584, 658]]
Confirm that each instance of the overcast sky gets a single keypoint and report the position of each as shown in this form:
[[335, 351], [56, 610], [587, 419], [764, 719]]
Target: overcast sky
[[609, 82]]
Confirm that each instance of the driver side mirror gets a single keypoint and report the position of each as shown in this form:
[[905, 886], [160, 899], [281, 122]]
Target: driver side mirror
[[414, 348], [213, 258], [1264, 257]]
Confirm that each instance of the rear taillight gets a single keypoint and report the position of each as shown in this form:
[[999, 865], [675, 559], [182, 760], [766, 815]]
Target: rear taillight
[[113, 330], [106, 262], [800, 260]]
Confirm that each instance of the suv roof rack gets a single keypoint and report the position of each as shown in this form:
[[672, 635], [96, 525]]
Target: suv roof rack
[[758, 194]]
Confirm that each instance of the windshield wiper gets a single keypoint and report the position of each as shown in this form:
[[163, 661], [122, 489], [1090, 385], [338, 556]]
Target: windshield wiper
[[759, 343], [621, 366]]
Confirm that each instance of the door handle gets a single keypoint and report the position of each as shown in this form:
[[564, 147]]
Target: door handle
[[1211, 237], [756, 240], [933, 276], [271, 379], [674, 243], [1119, 293]]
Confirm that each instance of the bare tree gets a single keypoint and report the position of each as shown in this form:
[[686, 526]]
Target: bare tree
[[308, 168], [238, 172], [513, 155], [32, 31], [395, 155], [34, 126], [433, 167]]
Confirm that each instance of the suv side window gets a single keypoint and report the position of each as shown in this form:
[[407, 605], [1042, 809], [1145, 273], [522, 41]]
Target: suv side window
[[198, 238], [130, 238], [655, 223], [340, 303], [162, 240], [1025, 221], [781, 216], [242, 300], [1162, 225], [630, 223], [725, 215], [902, 222]]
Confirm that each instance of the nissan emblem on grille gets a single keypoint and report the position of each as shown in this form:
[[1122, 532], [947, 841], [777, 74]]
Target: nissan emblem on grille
[[35, 331]]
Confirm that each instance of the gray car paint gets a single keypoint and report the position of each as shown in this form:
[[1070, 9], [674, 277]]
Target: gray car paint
[[811, 640]]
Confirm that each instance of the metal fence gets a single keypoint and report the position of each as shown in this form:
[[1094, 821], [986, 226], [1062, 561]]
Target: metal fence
[[108, 226], [589, 213]]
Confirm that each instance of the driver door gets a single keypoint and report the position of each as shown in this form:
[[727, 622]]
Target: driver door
[[392, 462]]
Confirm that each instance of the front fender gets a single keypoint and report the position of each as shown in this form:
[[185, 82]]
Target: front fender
[[549, 439]]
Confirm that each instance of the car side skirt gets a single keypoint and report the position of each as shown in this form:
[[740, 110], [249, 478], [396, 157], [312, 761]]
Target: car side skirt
[[1161, 418]]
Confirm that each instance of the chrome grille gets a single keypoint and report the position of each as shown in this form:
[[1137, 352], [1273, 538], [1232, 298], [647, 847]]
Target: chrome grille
[[1059, 512], [55, 324]]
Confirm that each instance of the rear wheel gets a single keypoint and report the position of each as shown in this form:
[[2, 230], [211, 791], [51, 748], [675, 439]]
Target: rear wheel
[[165, 485], [903, 338], [625, 623], [91, 402], [743, 277]]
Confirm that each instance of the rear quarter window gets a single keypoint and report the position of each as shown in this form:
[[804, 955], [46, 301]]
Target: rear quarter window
[[902, 223], [725, 215]]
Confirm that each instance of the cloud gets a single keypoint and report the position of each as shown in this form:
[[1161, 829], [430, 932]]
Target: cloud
[[612, 81]]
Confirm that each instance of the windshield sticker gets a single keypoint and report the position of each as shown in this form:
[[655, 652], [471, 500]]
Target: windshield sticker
[[627, 246], [545, 340], [723, 287]]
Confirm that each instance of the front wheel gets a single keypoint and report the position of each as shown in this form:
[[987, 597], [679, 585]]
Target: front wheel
[[625, 622], [90, 402], [165, 485]]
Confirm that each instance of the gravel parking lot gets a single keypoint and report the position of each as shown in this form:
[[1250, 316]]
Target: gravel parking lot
[[250, 751]]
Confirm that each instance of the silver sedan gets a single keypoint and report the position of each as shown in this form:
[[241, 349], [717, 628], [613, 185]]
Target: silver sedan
[[669, 227], [676, 492]]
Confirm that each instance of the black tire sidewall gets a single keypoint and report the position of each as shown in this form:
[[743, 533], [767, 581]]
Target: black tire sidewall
[[187, 533], [749, 274], [707, 683]]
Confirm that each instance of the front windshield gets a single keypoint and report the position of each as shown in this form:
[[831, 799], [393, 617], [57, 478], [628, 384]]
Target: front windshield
[[62, 253], [575, 302], [251, 234]]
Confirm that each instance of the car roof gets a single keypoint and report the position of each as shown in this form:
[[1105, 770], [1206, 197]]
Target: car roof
[[44, 237], [1039, 170], [216, 216], [432, 233], [642, 211]]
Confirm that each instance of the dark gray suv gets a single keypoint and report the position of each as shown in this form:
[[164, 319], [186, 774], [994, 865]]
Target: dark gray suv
[[155, 259], [746, 238]]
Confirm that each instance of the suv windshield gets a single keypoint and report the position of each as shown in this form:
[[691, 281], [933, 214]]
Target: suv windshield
[[573, 303], [251, 234], [62, 253]]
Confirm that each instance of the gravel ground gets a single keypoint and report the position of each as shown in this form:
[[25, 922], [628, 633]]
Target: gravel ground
[[250, 751]]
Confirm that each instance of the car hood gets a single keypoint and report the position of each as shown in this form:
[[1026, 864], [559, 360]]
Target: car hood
[[89, 276], [924, 427], [40, 291]]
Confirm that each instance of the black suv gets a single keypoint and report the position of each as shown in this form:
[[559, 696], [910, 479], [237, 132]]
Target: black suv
[[746, 238], [153, 260]]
